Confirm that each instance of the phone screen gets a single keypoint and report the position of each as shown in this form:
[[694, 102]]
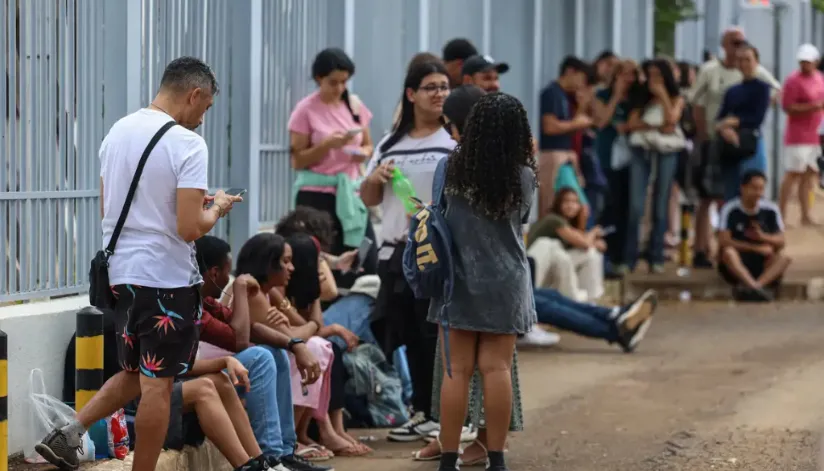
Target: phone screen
[[236, 191], [363, 252]]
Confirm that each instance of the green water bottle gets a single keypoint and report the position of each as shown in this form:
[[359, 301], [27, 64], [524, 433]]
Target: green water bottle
[[404, 190]]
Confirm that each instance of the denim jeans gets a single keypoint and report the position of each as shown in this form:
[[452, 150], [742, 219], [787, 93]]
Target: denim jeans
[[733, 173], [269, 401], [641, 168], [588, 320]]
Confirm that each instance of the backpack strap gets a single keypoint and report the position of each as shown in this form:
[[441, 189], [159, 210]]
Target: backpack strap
[[121, 221], [439, 183]]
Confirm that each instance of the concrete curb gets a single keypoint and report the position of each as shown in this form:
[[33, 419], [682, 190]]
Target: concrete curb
[[815, 289], [203, 458]]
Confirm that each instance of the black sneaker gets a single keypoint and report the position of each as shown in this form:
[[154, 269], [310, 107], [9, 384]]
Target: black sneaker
[[416, 429], [701, 260], [55, 449], [298, 463], [635, 319]]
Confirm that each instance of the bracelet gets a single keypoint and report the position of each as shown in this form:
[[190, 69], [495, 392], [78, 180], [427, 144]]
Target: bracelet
[[220, 211], [285, 305]]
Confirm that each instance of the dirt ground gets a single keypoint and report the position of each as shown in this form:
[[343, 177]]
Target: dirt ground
[[718, 386]]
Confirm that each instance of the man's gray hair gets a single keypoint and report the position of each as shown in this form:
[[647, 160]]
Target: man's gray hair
[[186, 73]]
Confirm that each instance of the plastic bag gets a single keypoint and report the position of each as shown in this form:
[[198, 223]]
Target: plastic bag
[[45, 414], [118, 434]]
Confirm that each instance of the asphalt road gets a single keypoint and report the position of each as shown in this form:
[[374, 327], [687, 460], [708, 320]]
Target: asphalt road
[[714, 386]]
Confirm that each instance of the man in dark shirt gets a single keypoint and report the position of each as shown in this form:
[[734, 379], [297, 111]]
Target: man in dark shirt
[[559, 125], [750, 239], [269, 399]]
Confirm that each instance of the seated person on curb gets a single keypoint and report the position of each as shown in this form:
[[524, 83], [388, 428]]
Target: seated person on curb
[[229, 328], [272, 306], [624, 325], [750, 240], [580, 270], [211, 397]]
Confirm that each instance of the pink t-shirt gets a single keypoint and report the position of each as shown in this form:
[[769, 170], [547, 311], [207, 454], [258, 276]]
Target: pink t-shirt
[[802, 129], [319, 120]]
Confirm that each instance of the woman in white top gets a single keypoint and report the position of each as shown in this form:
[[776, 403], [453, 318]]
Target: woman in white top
[[415, 146]]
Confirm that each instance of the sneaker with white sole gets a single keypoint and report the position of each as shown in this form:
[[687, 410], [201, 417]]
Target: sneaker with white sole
[[539, 337], [634, 320], [416, 429]]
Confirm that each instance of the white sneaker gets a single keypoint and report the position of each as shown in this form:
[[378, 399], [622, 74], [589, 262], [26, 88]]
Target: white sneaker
[[414, 430], [538, 337], [468, 434]]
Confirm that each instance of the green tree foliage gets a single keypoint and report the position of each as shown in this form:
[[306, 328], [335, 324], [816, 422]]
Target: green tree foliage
[[818, 5], [668, 13]]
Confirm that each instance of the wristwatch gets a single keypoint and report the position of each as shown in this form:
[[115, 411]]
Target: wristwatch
[[292, 342]]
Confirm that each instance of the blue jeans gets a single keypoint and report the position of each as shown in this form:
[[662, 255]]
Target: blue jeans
[[733, 173], [640, 171], [269, 401], [588, 320]]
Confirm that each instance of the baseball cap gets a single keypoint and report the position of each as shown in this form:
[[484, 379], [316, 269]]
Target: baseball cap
[[808, 53], [459, 103], [476, 64], [458, 49]]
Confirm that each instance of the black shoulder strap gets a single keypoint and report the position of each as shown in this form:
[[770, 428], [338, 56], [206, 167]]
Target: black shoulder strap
[[133, 187]]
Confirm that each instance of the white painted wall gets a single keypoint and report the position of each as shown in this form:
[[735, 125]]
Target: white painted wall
[[38, 334]]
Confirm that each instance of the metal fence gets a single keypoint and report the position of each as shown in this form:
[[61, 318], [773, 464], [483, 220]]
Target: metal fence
[[73, 67]]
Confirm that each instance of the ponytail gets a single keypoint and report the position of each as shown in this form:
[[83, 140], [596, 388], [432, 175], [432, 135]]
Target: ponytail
[[345, 98]]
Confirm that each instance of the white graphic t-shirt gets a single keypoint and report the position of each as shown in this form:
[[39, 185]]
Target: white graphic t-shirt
[[150, 252], [417, 159]]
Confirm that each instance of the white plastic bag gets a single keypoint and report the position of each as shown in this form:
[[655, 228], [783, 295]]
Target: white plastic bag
[[45, 414], [621, 153]]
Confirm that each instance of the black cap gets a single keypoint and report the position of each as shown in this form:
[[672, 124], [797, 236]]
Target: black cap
[[459, 103], [458, 49], [476, 64]]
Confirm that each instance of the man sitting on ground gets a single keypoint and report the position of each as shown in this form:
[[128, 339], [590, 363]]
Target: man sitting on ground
[[750, 240]]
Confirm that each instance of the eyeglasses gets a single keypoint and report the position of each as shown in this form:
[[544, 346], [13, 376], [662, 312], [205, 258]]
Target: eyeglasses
[[433, 89]]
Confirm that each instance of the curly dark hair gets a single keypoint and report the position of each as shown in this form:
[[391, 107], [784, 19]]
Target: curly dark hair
[[308, 220], [485, 168]]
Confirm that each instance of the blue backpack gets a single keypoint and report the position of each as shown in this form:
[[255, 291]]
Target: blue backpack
[[427, 259]]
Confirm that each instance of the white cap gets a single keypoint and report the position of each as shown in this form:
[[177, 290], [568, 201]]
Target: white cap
[[808, 53]]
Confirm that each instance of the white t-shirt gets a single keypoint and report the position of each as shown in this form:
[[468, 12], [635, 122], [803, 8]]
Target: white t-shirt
[[149, 251], [417, 159]]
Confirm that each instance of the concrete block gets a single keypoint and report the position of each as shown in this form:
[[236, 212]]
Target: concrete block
[[203, 458]]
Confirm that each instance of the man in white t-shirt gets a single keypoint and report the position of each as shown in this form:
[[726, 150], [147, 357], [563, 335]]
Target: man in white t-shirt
[[715, 77], [153, 271]]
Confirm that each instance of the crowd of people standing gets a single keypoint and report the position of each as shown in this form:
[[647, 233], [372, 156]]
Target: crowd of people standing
[[537, 222]]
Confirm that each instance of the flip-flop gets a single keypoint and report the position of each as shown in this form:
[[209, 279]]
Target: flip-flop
[[350, 452], [417, 456], [312, 453]]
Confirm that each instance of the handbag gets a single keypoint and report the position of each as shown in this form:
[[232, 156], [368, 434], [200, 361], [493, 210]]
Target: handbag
[[654, 139], [100, 292], [746, 148]]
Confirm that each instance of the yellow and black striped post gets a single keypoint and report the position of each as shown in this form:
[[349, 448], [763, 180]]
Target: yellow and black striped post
[[684, 253], [4, 402], [88, 355]]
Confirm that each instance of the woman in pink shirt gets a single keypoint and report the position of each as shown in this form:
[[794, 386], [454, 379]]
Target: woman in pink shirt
[[329, 140], [802, 100]]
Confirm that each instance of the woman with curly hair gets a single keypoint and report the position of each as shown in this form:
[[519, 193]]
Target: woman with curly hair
[[490, 182]]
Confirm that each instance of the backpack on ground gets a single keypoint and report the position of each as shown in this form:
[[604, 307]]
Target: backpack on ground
[[373, 382], [427, 257]]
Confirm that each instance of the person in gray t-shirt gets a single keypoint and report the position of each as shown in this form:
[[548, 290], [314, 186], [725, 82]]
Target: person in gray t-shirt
[[490, 182]]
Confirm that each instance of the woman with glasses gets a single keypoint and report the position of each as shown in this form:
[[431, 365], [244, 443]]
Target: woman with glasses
[[414, 148]]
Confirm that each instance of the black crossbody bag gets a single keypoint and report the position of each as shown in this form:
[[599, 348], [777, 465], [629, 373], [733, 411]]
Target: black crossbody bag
[[100, 291]]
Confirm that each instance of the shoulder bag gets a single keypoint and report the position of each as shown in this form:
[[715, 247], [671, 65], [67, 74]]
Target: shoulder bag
[[100, 292]]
